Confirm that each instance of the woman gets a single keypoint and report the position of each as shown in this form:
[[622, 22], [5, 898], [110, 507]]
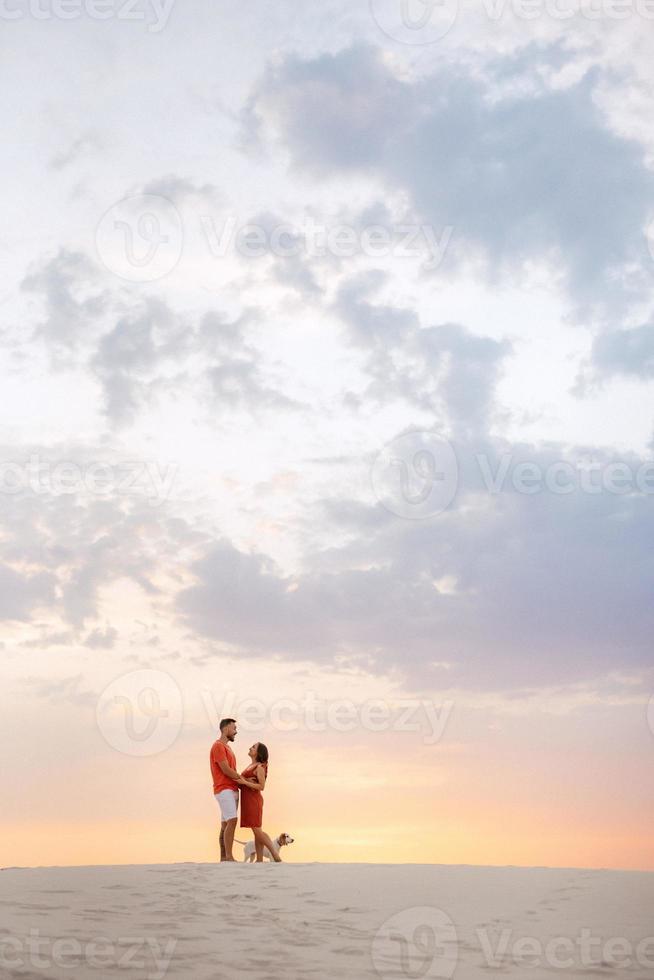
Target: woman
[[252, 783]]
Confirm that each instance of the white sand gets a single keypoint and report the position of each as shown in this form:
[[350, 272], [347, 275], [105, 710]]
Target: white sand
[[324, 920]]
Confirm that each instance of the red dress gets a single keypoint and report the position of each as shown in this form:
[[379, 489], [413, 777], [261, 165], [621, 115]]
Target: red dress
[[252, 799]]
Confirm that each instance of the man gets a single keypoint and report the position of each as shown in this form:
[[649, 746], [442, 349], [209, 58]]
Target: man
[[225, 785]]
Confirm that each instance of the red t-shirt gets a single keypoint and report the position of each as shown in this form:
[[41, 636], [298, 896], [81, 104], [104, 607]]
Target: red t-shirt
[[221, 753]]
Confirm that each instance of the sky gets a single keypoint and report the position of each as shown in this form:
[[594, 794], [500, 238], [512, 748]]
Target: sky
[[327, 361]]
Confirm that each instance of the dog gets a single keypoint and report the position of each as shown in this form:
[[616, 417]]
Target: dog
[[249, 851]]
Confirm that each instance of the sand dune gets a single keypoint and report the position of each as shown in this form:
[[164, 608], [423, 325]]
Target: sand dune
[[303, 920]]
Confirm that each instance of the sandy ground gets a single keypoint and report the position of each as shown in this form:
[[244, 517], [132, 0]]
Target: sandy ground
[[324, 920]]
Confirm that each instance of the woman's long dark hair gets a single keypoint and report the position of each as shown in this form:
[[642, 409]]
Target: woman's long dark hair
[[262, 752]]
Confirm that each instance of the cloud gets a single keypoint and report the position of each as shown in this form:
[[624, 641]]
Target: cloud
[[333, 113], [22, 594], [130, 356], [522, 172], [236, 374], [86, 142], [74, 545], [628, 352], [74, 302], [442, 369], [502, 591], [179, 189], [291, 266], [240, 598], [140, 348], [69, 690], [99, 639], [50, 639]]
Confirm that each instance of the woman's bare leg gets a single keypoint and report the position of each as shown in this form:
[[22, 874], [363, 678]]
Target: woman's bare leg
[[261, 835], [258, 847]]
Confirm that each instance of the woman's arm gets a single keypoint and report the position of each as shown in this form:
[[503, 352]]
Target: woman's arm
[[261, 777], [260, 782], [248, 783]]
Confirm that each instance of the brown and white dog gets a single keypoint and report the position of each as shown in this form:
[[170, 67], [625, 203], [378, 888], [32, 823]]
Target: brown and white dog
[[249, 852]]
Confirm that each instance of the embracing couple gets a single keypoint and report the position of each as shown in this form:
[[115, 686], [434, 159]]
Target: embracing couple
[[226, 784]]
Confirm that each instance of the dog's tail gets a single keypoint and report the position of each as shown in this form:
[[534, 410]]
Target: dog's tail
[[237, 841]]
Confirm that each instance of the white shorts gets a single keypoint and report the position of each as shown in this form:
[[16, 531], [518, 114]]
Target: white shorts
[[227, 800]]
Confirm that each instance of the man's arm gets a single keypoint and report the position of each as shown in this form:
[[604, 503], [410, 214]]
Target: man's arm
[[227, 770], [219, 757]]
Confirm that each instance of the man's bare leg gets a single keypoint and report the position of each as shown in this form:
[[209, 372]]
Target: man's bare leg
[[230, 830], [223, 852]]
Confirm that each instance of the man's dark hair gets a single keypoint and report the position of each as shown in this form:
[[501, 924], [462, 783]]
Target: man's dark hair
[[227, 721], [262, 752]]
